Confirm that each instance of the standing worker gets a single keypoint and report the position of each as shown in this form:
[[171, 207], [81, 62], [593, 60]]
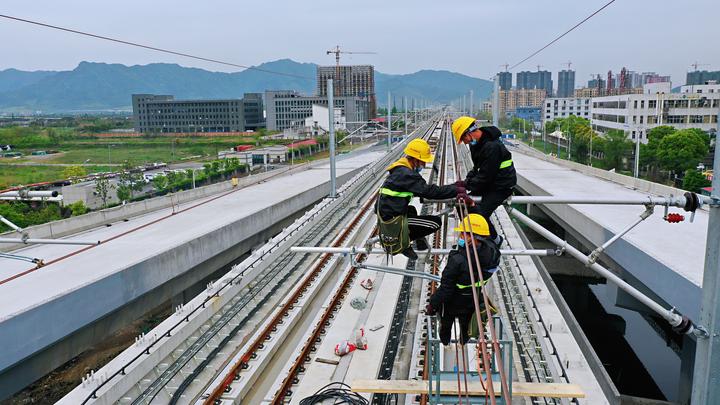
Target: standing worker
[[454, 298], [398, 221], [493, 174]]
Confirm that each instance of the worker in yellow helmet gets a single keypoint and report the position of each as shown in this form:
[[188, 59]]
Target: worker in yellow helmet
[[454, 298], [493, 174], [398, 221]]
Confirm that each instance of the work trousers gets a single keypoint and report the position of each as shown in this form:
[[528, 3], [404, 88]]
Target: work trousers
[[489, 203], [446, 325], [420, 226]]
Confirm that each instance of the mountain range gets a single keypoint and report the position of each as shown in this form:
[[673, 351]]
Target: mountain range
[[100, 87]]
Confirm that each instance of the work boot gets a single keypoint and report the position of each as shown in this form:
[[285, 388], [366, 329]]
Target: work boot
[[409, 253], [421, 244]]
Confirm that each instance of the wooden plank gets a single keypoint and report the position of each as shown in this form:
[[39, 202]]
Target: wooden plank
[[447, 387]]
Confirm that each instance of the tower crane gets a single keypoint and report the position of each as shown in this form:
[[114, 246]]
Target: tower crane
[[696, 64]]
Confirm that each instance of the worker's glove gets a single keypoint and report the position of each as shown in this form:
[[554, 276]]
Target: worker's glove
[[429, 310], [465, 198], [460, 183], [460, 190]]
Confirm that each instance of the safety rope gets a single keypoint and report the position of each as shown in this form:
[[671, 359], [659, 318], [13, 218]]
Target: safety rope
[[489, 391]]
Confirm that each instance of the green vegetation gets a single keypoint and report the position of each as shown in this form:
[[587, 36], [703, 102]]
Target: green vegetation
[[23, 215], [668, 152], [183, 180], [103, 189], [694, 181], [12, 175]]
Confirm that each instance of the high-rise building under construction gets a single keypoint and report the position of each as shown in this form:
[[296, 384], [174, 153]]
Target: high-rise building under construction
[[349, 81], [566, 83]]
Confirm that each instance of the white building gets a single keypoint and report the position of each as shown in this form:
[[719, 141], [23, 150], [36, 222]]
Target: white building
[[563, 107], [694, 107], [319, 121]]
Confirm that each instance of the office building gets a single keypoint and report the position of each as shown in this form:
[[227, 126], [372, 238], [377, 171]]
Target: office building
[[566, 83], [694, 107], [505, 80], [156, 114], [541, 79], [287, 109], [510, 100], [349, 81], [563, 107], [702, 77]]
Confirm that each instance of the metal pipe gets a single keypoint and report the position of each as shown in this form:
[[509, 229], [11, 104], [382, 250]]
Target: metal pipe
[[679, 201], [673, 201], [10, 224], [48, 241], [352, 250], [402, 272], [670, 316], [595, 254], [29, 194]]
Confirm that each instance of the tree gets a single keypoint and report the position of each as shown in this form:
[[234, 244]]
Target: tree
[[74, 171], [615, 147], [123, 192], [102, 189], [648, 151], [681, 150], [160, 182], [694, 181], [129, 181], [77, 208]]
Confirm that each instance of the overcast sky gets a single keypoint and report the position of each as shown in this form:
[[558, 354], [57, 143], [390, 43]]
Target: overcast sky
[[473, 37]]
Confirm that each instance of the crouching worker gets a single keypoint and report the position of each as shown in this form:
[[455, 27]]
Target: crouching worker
[[454, 298], [398, 221]]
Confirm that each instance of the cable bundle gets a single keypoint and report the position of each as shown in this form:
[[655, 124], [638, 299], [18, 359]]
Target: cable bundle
[[342, 394]]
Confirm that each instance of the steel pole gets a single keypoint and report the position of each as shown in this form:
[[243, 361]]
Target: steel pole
[[496, 102], [705, 389], [405, 110], [637, 152], [331, 130], [389, 125], [352, 250], [471, 104]]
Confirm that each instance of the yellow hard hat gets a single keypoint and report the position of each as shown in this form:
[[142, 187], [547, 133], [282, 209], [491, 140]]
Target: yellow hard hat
[[460, 125], [419, 149], [476, 224]]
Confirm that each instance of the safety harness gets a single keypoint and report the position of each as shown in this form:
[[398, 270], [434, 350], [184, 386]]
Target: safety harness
[[394, 233]]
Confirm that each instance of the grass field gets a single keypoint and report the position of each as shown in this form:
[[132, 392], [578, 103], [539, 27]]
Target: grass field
[[136, 150], [16, 175]]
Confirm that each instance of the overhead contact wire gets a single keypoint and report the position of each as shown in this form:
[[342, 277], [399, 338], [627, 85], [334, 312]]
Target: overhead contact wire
[[562, 35]]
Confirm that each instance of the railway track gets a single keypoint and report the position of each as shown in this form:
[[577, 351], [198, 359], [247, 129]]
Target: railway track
[[234, 383]]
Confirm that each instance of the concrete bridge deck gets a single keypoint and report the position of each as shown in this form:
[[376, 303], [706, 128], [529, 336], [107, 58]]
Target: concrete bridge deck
[[666, 258]]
